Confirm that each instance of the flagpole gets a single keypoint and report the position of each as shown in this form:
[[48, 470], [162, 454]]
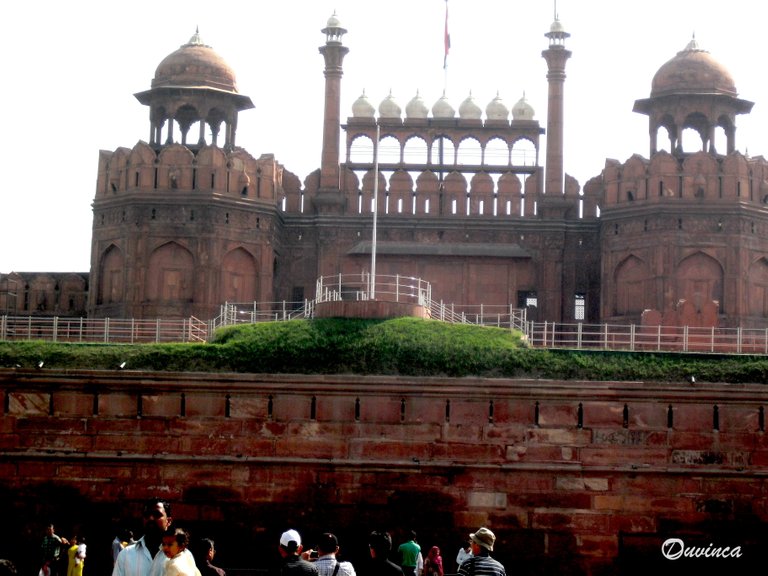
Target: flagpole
[[375, 211], [447, 43]]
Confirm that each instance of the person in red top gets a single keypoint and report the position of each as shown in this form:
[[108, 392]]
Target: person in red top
[[433, 564]]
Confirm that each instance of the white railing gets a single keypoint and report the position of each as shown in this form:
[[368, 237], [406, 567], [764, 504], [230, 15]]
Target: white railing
[[362, 287], [104, 330], [358, 287], [231, 313], [539, 334], [501, 316], [633, 337]]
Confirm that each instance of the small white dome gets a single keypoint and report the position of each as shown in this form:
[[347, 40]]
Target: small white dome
[[333, 22], [496, 109], [389, 108], [522, 110], [468, 110], [557, 33], [557, 26], [333, 30], [362, 108], [416, 108], [442, 108]]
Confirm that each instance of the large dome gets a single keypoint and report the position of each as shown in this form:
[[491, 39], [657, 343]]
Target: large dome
[[195, 65], [692, 71]]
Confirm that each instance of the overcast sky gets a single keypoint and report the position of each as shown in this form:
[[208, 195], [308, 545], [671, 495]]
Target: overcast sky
[[71, 70]]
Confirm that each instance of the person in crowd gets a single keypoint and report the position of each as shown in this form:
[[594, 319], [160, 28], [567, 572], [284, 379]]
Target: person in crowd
[[465, 552], [433, 564], [419, 564], [144, 558], [180, 561], [290, 550], [409, 555], [117, 547], [76, 555], [481, 563], [327, 564], [206, 551], [380, 546], [128, 538], [51, 548]]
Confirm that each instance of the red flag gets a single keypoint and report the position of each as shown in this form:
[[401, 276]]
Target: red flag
[[447, 36]]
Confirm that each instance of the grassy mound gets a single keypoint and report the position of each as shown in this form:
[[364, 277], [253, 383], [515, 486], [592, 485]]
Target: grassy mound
[[403, 346]]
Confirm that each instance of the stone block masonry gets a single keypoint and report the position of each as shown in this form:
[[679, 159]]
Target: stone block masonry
[[592, 476]]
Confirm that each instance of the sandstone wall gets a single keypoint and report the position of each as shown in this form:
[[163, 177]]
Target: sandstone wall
[[577, 477]]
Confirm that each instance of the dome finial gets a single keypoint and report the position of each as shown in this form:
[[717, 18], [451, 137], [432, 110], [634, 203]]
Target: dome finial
[[196, 40], [692, 45]]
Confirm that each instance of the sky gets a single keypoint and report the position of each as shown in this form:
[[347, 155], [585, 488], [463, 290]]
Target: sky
[[72, 69]]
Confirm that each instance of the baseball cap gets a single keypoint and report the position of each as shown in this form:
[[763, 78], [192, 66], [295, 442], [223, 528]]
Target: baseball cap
[[290, 536]]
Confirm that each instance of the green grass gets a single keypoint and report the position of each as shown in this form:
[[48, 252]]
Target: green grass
[[403, 346]]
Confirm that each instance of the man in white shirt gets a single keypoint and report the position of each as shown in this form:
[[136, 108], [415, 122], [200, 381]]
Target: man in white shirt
[[326, 563], [145, 557]]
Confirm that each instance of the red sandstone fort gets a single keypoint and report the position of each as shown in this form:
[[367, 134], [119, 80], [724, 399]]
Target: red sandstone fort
[[575, 478], [182, 225]]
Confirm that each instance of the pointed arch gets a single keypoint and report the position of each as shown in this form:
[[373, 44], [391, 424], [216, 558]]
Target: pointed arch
[[496, 152], [361, 149], [524, 152], [111, 281], [757, 288], [390, 151], [443, 151], [170, 274], [699, 279], [415, 150], [239, 277], [633, 286], [469, 152]]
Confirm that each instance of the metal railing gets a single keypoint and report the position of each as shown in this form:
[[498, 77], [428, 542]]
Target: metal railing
[[634, 337], [231, 313], [358, 287], [404, 289], [363, 287], [103, 330]]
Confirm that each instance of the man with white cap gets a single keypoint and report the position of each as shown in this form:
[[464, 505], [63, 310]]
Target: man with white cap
[[481, 563], [290, 550]]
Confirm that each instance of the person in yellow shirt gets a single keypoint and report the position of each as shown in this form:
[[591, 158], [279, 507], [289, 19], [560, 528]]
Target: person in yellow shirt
[[76, 553]]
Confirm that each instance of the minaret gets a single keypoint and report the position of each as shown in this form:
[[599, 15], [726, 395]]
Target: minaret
[[334, 53], [556, 56]]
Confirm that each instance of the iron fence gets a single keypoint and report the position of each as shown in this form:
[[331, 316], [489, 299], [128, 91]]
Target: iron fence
[[577, 336], [103, 330], [648, 338]]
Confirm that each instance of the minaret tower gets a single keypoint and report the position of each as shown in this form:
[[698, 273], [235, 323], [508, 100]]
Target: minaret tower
[[556, 56], [329, 195]]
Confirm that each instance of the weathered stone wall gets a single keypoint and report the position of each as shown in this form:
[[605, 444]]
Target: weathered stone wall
[[577, 477]]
